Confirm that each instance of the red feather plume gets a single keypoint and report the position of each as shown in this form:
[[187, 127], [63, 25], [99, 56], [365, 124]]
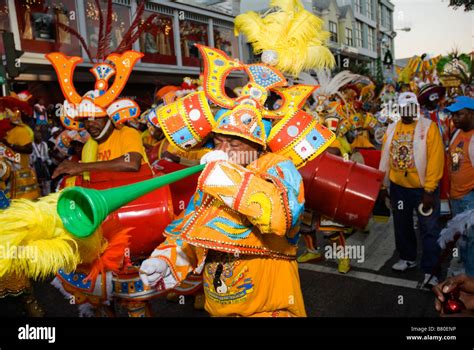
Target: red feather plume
[[72, 31], [100, 42]]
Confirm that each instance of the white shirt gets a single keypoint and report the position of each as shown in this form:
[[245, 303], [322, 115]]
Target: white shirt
[[40, 151]]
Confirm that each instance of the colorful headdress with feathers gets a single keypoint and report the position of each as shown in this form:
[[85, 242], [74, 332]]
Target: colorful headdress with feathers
[[333, 112], [103, 100], [455, 70], [288, 37], [420, 70], [246, 116]]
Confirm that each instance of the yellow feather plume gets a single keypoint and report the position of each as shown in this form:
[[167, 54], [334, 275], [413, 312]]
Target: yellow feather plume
[[34, 242], [295, 34]]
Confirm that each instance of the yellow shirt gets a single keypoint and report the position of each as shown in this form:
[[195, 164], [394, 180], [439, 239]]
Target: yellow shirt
[[120, 142], [252, 286], [20, 135], [403, 171], [460, 165]]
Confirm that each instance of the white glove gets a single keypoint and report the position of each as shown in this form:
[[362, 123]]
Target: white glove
[[214, 156], [152, 270]]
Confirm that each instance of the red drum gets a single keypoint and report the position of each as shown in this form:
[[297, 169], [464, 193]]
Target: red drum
[[342, 190], [371, 157], [148, 215], [182, 190]]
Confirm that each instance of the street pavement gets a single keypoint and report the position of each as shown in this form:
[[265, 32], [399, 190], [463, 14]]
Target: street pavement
[[370, 289]]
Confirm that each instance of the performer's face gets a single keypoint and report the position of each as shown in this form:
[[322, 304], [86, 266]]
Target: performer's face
[[464, 119], [239, 150], [432, 102], [94, 126]]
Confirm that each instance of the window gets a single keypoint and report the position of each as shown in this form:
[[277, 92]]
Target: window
[[370, 39], [157, 41], [390, 19], [4, 21], [369, 9], [225, 40], [358, 34], [383, 18], [38, 26], [192, 32], [333, 31], [358, 6], [379, 14], [349, 40], [120, 24]]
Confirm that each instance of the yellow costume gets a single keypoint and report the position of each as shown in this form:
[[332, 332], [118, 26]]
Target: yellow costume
[[121, 141], [241, 227], [260, 249], [24, 183], [403, 170]]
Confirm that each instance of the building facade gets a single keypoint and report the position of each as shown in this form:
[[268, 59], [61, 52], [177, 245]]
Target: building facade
[[168, 44], [361, 31]]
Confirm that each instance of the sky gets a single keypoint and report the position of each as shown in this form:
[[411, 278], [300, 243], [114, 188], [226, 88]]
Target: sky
[[435, 27]]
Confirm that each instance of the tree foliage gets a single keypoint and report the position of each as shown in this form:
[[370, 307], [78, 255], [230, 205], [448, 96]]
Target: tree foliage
[[467, 4]]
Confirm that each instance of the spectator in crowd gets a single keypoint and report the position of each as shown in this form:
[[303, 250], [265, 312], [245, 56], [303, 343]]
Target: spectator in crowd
[[413, 160], [461, 171], [40, 113], [40, 161]]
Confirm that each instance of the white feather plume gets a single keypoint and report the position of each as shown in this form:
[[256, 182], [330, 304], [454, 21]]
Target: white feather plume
[[459, 224], [330, 86]]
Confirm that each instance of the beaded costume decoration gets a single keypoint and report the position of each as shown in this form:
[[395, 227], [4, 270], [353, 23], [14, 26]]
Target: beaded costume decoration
[[96, 103], [186, 122], [299, 137], [103, 100]]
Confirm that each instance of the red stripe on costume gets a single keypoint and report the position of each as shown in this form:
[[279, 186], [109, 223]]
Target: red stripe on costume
[[242, 189], [205, 173]]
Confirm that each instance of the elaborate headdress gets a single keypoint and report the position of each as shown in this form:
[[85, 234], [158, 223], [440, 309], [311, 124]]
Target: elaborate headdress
[[420, 70], [103, 100], [288, 37], [455, 69], [328, 85], [296, 134], [430, 92], [334, 112], [245, 121]]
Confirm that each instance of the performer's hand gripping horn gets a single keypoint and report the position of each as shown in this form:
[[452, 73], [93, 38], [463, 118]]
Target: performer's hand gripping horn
[[82, 210]]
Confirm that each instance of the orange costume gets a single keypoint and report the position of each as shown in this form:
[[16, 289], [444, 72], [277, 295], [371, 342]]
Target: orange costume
[[240, 229], [240, 253]]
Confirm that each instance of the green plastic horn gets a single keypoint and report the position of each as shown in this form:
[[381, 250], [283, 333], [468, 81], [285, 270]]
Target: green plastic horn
[[82, 210]]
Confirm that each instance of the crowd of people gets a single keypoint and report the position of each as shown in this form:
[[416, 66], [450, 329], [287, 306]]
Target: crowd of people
[[237, 234]]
